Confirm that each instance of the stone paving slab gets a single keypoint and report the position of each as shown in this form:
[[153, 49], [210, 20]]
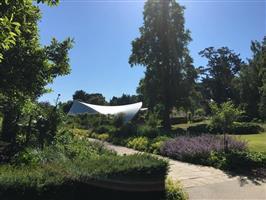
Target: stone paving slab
[[228, 190]]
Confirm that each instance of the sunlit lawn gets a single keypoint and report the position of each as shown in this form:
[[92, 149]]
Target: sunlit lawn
[[186, 125], [256, 142]]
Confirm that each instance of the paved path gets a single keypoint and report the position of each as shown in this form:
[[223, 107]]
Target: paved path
[[207, 182]]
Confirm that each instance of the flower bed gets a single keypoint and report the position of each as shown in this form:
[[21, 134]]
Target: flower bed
[[188, 148]]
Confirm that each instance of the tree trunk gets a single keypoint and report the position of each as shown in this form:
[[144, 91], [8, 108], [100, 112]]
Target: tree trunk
[[9, 127], [166, 119], [29, 129]]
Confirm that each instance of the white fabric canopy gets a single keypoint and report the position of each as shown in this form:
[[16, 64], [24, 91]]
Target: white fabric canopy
[[128, 111]]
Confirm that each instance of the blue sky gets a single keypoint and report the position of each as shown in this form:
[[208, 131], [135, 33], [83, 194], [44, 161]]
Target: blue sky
[[103, 31]]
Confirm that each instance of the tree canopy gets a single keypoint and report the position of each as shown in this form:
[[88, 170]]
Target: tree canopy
[[27, 67], [124, 100], [252, 82], [162, 50], [10, 27], [218, 77], [94, 98]]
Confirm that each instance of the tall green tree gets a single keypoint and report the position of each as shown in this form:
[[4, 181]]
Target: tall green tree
[[219, 74], [27, 67], [162, 50], [252, 80]]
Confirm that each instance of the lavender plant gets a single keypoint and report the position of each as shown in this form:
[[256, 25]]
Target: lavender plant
[[200, 148]]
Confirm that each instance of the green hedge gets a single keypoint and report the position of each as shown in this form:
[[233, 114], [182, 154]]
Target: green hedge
[[246, 128], [245, 161], [238, 128], [37, 181], [198, 129], [72, 166], [179, 120]]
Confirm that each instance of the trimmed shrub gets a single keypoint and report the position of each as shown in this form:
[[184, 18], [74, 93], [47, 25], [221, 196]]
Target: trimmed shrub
[[245, 128], [200, 112], [53, 180], [105, 129], [242, 161], [127, 130], [179, 120], [243, 118], [198, 129], [178, 131], [237, 128], [139, 143], [198, 119], [103, 137], [80, 132], [157, 143], [148, 131]]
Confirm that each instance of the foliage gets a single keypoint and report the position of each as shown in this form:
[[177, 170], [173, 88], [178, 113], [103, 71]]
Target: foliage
[[199, 129], [124, 100], [118, 120], [10, 27], [65, 106], [103, 136], [148, 131], [27, 58], [138, 143], [8, 33], [80, 133], [236, 128], [179, 120], [223, 116], [245, 161], [129, 129], [157, 143], [245, 128], [94, 98], [208, 150], [174, 190], [153, 120], [162, 49], [200, 112], [252, 82], [71, 163], [80, 157], [218, 82], [198, 149]]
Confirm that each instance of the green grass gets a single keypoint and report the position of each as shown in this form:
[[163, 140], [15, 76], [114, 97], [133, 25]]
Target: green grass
[[186, 125], [256, 142]]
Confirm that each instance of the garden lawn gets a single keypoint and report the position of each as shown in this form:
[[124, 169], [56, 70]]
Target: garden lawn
[[186, 125], [256, 142]]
